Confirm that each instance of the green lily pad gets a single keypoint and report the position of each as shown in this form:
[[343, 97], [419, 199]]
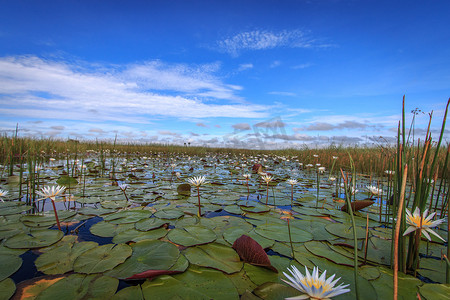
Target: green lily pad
[[169, 214], [9, 265], [147, 255], [433, 269], [131, 292], [407, 285], [315, 228], [191, 235], [215, 256], [184, 189], [92, 211], [7, 288], [37, 238], [114, 204], [128, 216], [136, 235], [242, 282], [195, 283], [60, 260], [233, 209], [106, 229], [435, 291], [67, 180], [79, 286], [260, 275], [149, 224], [12, 210], [101, 258], [321, 249], [46, 219], [275, 291], [345, 230], [279, 232]]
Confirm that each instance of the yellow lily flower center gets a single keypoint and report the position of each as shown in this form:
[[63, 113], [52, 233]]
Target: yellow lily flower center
[[419, 222], [317, 284]]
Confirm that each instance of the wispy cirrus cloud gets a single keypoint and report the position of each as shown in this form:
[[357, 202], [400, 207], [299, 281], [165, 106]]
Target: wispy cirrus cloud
[[290, 94], [265, 39], [32, 87]]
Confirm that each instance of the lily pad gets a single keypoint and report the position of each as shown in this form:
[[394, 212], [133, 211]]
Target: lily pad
[[78, 286], [275, 291], [435, 291], [192, 235], [184, 189], [66, 180], [136, 235], [169, 214], [37, 238], [321, 249], [131, 292], [60, 260], [101, 258], [279, 232], [9, 265], [150, 223], [12, 210], [345, 230], [147, 255], [251, 252], [195, 283], [46, 219], [214, 256], [7, 288], [106, 229]]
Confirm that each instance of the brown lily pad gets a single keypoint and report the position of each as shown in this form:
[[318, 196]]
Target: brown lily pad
[[253, 253], [358, 205]]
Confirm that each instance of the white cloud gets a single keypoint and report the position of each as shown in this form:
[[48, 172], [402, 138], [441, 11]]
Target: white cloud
[[42, 89], [283, 94], [275, 64], [243, 67], [264, 39], [301, 66], [241, 126]]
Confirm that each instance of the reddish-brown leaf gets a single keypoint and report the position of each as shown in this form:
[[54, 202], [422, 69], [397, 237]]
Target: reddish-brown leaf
[[149, 274], [251, 252], [257, 168], [357, 205]]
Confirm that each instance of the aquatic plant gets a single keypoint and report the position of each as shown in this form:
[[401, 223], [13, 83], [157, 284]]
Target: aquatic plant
[[3, 194], [48, 192], [267, 179], [197, 182], [312, 286]]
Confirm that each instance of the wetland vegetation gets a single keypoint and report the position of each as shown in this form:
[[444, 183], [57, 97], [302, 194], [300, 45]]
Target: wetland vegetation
[[83, 219]]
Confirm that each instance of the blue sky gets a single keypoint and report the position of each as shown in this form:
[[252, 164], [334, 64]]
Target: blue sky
[[261, 74]]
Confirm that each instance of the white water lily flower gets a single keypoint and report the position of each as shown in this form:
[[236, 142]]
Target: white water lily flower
[[197, 181], [321, 169], [312, 286], [51, 192], [3, 194], [292, 181], [267, 178], [247, 176], [123, 186], [374, 190], [418, 221]]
